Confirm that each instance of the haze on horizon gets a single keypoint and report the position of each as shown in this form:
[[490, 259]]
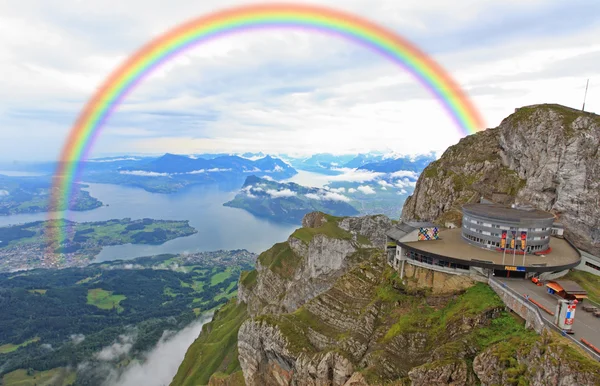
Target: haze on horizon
[[285, 91]]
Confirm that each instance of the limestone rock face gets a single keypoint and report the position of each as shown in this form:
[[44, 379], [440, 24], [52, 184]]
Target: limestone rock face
[[372, 227], [357, 379], [263, 354], [557, 152], [453, 373], [439, 283], [266, 360], [313, 220], [542, 365], [544, 155], [319, 263]]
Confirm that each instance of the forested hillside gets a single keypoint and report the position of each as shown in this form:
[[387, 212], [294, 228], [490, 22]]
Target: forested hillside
[[59, 318]]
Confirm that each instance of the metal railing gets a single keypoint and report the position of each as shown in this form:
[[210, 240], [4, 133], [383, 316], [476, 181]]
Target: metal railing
[[495, 283]]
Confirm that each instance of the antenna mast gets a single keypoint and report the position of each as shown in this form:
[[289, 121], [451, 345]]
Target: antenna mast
[[585, 95]]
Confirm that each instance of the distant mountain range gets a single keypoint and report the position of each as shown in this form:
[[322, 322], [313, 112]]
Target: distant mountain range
[[288, 202], [170, 173], [330, 164], [322, 163], [416, 164], [174, 165]]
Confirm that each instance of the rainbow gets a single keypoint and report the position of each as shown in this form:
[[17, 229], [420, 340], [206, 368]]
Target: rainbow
[[124, 80]]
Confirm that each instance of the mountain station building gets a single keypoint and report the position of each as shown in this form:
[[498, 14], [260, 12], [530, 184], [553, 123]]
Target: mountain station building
[[494, 240]]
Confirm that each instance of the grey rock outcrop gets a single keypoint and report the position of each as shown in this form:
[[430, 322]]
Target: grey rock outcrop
[[544, 155], [319, 263], [266, 360], [541, 365], [453, 373]]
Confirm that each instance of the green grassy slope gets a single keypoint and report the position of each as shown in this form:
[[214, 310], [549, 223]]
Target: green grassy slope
[[215, 350]]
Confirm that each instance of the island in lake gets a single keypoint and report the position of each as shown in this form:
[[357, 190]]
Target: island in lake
[[288, 202], [27, 246]]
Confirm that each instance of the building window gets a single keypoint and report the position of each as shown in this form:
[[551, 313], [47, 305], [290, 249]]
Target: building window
[[591, 265]]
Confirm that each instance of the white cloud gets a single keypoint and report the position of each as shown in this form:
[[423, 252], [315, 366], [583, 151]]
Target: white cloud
[[354, 175], [118, 349], [77, 338], [383, 188], [276, 169], [159, 366], [351, 190], [312, 196], [335, 197], [265, 90], [366, 189], [280, 193], [384, 183], [338, 190], [216, 170], [405, 173], [327, 195], [114, 159], [143, 173], [405, 183]]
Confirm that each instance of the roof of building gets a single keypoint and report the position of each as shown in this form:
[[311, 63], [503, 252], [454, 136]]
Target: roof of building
[[399, 231], [451, 244], [420, 224], [403, 228], [501, 212], [570, 287]]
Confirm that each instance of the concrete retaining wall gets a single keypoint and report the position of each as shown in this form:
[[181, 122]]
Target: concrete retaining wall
[[520, 306]]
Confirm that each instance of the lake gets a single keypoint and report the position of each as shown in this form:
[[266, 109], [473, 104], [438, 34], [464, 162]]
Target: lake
[[218, 227]]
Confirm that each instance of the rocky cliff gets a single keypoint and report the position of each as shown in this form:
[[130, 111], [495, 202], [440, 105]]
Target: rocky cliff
[[371, 329], [309, 262], [545, 155], [324, 308]]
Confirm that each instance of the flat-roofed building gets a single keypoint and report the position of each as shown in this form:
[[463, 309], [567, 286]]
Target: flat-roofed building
[[480, 248], [495, 226]]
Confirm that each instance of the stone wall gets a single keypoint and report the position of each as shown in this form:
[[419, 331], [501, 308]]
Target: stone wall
[[520, 306]]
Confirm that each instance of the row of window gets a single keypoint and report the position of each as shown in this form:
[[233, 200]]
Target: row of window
[[498, 234], [472, 220], [592, 265], [488, 243], [434, 261], [482, 241]]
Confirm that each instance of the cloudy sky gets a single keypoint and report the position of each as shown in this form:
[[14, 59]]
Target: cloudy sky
[[284, 91]]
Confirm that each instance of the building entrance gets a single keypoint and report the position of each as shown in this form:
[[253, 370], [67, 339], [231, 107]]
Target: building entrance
[[510, 274]]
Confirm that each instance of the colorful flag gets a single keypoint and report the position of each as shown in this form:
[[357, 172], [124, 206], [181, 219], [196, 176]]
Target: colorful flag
[[523, 240]]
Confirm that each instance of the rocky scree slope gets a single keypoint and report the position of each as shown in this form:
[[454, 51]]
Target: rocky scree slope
[[331, 312], [544, 155]]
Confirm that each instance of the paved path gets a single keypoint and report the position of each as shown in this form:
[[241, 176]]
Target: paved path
[[585, 324]]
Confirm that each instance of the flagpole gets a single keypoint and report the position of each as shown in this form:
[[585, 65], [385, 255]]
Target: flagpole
[[514, 247], [525, 249]]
